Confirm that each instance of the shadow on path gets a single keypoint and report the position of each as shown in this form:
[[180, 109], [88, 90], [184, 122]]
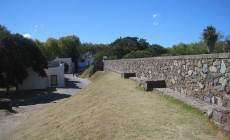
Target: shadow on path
[[72, 86]]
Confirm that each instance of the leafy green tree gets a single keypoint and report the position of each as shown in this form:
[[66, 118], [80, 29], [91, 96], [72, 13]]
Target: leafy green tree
[[52, 48], [220, 47], [123, 46], [17, 54], [227, 47], [70, 47], [138, 54], [3, 29], [99, 55], [156, 50], [210, 37], [187, 49], [89, 50], [227, 44], [44, 50]]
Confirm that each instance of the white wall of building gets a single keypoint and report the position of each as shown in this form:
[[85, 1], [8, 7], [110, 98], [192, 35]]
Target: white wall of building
[[68, 61], [59, 71], [33, 81]]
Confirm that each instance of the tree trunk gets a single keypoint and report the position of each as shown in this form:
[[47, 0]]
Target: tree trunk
[[210, 49]]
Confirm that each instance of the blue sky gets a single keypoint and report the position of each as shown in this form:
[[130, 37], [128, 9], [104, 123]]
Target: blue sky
[[165, 22]]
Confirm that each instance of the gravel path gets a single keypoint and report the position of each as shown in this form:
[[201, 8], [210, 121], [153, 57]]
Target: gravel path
[[8, 120]]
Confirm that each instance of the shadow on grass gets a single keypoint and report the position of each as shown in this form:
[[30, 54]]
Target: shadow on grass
[[40, 100]]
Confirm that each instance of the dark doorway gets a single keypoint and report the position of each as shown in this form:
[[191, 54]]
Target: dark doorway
[[53, 80]]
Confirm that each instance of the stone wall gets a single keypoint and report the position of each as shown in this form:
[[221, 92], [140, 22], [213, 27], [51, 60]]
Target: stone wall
[[204, 76]]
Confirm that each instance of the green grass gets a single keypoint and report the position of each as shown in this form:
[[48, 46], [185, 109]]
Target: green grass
[[183, 106]]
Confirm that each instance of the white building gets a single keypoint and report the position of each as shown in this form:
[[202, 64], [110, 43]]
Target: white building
[[55, 74], [69, 62], [33, 81], [55, 78]]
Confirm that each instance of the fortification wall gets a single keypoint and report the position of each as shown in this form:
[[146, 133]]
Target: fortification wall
[[204, 76]]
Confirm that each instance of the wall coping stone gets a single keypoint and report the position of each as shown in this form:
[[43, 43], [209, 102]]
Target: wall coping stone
[[201, 56]]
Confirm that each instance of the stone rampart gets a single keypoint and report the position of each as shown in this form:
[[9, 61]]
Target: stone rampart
[[204, 76]]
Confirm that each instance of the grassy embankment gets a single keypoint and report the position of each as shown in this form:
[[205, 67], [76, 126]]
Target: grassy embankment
[[86, 73], [115, 108]]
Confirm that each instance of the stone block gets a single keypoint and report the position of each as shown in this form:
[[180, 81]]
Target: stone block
[[216, 63], [219, 101], [127, 75], [224, 55], [226, 96], [223, 81], [205, 68], [190, 72], [213, 69], [213, 100], [207, 99], [219, 88], [223, 67], [150, 84], [221, 117], [216, 75]]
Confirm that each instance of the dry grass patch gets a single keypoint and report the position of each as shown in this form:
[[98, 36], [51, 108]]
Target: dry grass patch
[[114, 108]]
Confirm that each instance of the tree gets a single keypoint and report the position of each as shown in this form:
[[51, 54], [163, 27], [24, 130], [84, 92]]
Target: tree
[[156, 50], [43, 49], [219, 47], [210, 37], [3, 29], [70, 47], [123, 46], [17, 54], [138, 54], [89, 50], [52, 48], [227, 44]]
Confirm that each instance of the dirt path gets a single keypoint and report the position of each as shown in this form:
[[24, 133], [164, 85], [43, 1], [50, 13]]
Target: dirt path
[[9, 120]]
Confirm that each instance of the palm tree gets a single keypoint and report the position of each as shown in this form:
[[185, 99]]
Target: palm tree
[[210, 37]]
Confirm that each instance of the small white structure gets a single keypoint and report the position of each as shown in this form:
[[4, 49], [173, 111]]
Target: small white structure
[[67, 61], [55, 77], [33, 81], [55, 74]]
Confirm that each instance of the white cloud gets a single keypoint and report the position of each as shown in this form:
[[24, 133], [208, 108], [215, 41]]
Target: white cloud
[[27, 35], [155, 15], [155, 23], [36, 27]]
